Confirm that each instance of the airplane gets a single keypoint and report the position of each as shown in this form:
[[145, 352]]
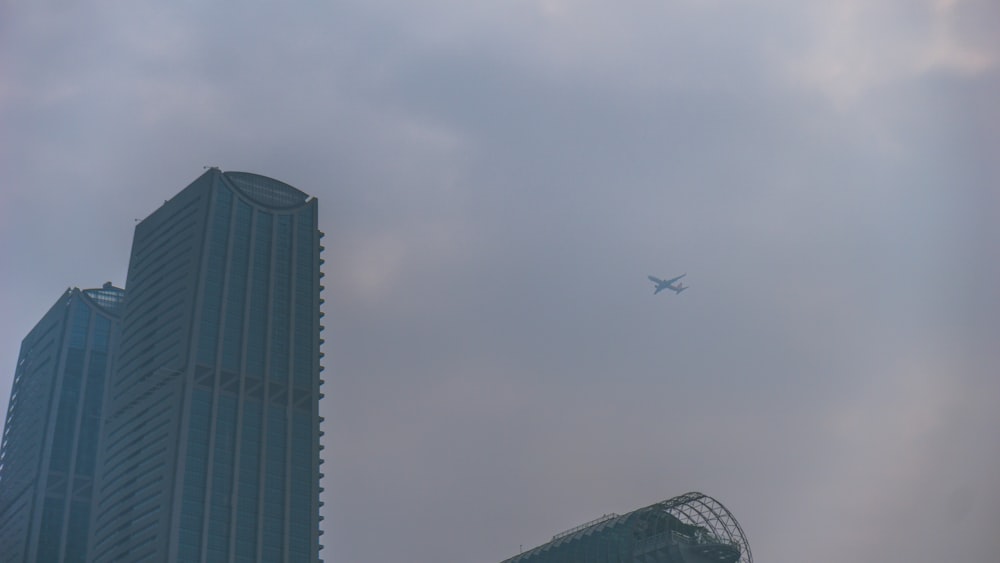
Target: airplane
[[668, 284]]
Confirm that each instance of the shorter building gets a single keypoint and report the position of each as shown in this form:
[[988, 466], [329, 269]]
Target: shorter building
[[50, 438], [691, 528]]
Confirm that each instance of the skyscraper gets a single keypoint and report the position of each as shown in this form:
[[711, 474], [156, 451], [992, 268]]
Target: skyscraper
[[211, 444], [50, 437], [691, 528]]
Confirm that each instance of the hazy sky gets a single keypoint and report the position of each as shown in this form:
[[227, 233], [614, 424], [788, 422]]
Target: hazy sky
[[496, 180]]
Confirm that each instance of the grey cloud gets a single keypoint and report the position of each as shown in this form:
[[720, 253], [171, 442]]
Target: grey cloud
[[497, 181]]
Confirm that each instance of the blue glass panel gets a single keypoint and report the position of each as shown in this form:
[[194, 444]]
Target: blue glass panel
[[87, 446], [97, 367], [192, 505], [305, 304], [237, 284], [91, 418], [222, 478], [51, 529], [302, 478], [260, 286], [214, 276], [249, 481], [281, 305], [80, 325], [76, 534], [102, 334], [274, 484], [69, 399]]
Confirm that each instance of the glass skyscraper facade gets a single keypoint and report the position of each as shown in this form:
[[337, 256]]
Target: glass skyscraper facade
[[211, 442], [691, 528], [49, 448]]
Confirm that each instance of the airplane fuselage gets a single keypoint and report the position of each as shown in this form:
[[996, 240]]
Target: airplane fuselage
[[671, 284]]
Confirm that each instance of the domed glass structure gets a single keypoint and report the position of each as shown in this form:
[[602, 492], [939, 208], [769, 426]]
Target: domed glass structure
[[691, 528]]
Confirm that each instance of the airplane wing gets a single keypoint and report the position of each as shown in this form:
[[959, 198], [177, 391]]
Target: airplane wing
[[667, 284]]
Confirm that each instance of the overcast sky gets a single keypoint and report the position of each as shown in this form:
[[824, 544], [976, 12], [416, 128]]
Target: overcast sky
[[496, 180]]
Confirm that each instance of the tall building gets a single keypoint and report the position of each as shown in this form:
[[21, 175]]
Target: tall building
[[691, 528], [49, 448], [211, 445]]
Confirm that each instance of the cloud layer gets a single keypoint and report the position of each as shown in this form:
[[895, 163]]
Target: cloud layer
[[497, 179]]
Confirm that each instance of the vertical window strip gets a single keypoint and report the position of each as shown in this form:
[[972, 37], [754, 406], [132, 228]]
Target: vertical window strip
[[305, 320], [193, 498], [237, 285], [302, 479], [281, 304], [214, 276], [257, 344], [248, 482], [222, 478], [274, 485]]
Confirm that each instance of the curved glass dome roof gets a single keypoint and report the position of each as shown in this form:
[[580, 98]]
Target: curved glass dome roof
[[266, 191], [697, 523], [701, 510]]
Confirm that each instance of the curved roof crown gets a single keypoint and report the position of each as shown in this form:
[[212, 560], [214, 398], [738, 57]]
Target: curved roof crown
[[266, 191], [109, 298]]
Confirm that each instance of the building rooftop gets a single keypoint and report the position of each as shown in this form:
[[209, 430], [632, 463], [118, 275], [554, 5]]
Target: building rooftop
[[108, 297], [266, 191], [694, 522]]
